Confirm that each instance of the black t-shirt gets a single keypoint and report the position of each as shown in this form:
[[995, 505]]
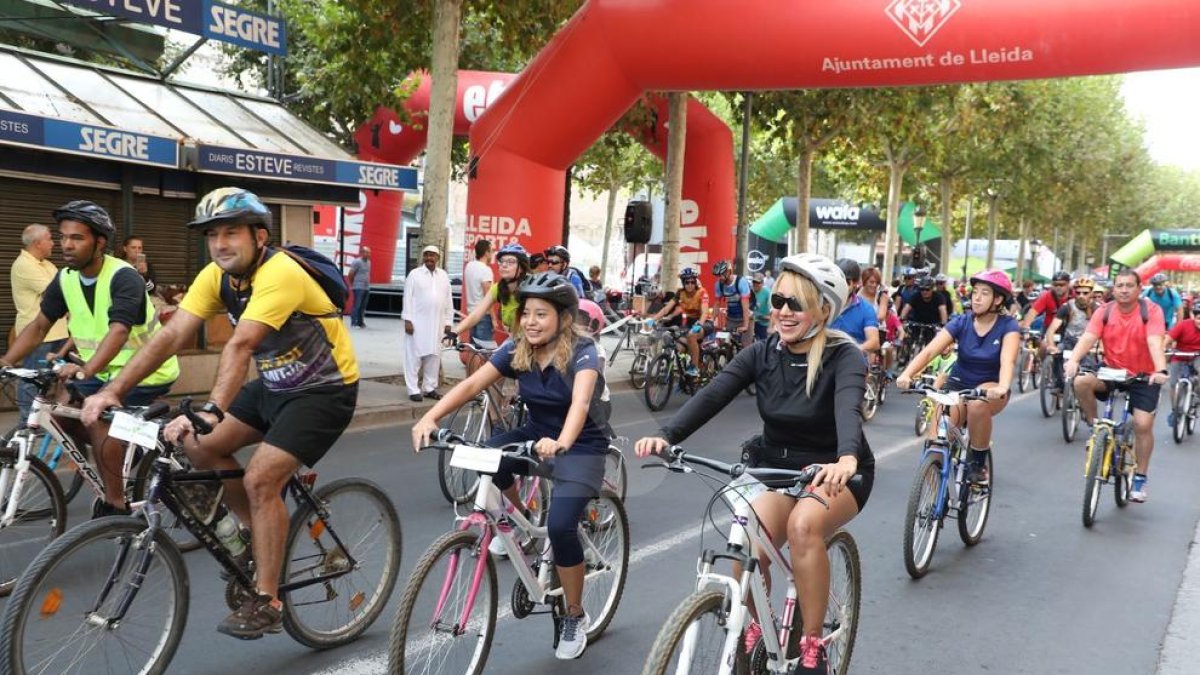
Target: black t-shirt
[[128, 298], [819, 428], [926, 311]]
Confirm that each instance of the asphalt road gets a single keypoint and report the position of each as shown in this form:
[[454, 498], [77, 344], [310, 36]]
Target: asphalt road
[[1040, 594]]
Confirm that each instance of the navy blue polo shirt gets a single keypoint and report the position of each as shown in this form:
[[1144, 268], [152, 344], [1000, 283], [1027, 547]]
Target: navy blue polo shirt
[[978, 355], [856, 318]]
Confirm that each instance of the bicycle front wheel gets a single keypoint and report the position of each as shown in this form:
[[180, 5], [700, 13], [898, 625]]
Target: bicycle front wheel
[[870, 402], [62, 614], [604, 533], [458, 485], [1092, 479], [356, 550], [845, 597], [1025, 371], [1179, 408], [660, 380], [922, 522], [924, 414], [1070, 413], [433, 631], [693, 638], [637, 371], [974, 505], [39, 516], [1046, 389], [44, 447]]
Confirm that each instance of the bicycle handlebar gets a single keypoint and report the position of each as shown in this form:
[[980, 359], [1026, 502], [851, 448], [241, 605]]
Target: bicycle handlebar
[[445, 440], [770, 476], [976, 394]]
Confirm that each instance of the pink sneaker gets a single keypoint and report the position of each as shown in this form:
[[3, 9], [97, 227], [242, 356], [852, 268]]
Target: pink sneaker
[[812, 657], [751, 636]]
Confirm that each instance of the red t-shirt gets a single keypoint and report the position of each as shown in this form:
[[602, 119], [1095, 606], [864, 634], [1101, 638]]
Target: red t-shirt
[[1186, 337], [1125, 335], [1047, 305]]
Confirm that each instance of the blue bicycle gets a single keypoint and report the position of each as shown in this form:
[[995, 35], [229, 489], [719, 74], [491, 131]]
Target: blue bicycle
[[941, 487]]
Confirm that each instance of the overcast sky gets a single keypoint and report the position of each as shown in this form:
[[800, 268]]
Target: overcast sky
[[1168, 101]]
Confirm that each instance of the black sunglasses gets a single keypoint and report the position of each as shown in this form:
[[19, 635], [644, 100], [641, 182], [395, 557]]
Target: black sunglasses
[[778, 301], [554, 262]]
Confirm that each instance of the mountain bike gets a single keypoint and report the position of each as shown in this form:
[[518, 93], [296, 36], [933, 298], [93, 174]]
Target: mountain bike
[[1050, 390], [647, 343], [877, 383], [941, 487], [1184, 404], [926, 410], [113, 593], [1028, 370], [1110, 452], [672, 364], [916, 336], [706, 632], [448, 612]]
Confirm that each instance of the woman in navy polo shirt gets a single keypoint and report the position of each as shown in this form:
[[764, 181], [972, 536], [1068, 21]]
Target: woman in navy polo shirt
[[988, 341], [560, 378]]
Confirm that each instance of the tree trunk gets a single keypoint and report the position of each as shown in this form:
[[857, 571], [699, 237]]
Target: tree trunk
[[991, 225], [803, 195], [945, 188], [1069, 261], [742, 232], [896, 172], [608, 228], [1023, 229], [443, 72], [568, 179], [677, 103]]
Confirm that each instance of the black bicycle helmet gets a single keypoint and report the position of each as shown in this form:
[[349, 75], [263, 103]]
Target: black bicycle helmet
[[688, 273], [230, 205], [89, 213], [1061, 275], [551, 287], [721, 267], [517, 251], [850, 268], [560, 251], [925, 283]]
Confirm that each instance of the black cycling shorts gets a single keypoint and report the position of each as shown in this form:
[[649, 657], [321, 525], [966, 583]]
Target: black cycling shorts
[[1142, 395], [305, 423]]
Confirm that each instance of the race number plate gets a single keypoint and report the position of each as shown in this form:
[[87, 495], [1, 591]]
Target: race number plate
[[747, 487], [133, 430], [723, 335], [1112, 374], [483, 460]]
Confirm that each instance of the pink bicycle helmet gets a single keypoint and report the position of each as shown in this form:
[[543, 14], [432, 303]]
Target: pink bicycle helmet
[[591, 317], [998, 280]]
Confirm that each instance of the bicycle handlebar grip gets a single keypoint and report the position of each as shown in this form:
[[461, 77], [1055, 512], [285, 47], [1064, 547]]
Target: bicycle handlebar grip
[[156, 410], [202, 428]]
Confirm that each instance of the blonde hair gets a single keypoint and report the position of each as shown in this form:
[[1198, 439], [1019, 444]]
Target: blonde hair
[[564, 347], [811, 300]]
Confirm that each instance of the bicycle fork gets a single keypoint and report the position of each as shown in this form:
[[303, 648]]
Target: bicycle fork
[[12, 479], [144, 544]]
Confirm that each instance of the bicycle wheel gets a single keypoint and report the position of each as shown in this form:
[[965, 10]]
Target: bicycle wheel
[[616, 475], [365, 555], [1035, 370], [922, 523], [59, 619], [637, 371], [974, 505], [40, 516], [1092, 479], [604, 533], [924, 414], [46, 448], [1046, 393], [1179, 408], [845, 596], [1123, 476], [870, 402], [1024, 368], [431, 633], [535, 497], [660, 381], [1070, 413], [458, 485], [693, 638]]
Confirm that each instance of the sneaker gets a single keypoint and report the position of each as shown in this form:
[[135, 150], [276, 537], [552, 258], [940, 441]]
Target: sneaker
[[102, 509], [977, 472], [254, 619], [572, 636], [691, 371], [812, 657], [751, 636], [1138, 492]]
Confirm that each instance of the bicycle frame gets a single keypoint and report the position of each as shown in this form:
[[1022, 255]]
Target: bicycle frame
[[1119, 430], [948, 443]]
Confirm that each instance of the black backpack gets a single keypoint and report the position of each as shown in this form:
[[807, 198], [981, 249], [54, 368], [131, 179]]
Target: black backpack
[[319, 267], [1143, 308]]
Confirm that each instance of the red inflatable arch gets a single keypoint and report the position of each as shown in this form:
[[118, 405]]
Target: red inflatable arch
[[612, 51], [1168, 262], [708, 182]]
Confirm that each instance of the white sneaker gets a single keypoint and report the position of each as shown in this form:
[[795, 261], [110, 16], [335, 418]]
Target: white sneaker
[[572, 636]]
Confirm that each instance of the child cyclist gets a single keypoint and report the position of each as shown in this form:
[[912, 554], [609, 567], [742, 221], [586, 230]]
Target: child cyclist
[[560, 380], [810, 384]]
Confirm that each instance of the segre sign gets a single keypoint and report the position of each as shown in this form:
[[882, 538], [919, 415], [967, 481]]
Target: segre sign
[[87, 139], [211, 19], [270, 165]]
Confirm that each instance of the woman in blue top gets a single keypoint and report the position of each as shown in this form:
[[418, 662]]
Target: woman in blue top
[[988, 341], [560, 379]]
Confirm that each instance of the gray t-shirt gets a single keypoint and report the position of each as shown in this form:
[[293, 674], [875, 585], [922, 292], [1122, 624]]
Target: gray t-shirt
[[1075, 322], [361, 269]]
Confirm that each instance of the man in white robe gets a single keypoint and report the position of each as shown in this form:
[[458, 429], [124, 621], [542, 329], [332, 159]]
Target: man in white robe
[[428, 314]]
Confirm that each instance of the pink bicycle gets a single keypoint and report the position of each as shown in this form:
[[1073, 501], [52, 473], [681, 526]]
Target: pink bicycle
[[448, 613]]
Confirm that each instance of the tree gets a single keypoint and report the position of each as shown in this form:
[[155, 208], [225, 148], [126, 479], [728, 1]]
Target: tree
[[615, 161], [676, 146], [444, 88]]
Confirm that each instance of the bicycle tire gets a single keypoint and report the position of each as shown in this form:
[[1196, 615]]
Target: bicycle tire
[[458, 485], [660, 381], [364, 601], [921, 423], [1096, 449], [1024, 374], [974, 506], [32, 609], [1035, 370], [637, 371], [604, 520], [919, 516], [1179, 409], [870, 404], [1070, 413], [845, 564], [1123, 478], [462, 544], [42, 509], [1046, 395], [696, 607], [616, 472]]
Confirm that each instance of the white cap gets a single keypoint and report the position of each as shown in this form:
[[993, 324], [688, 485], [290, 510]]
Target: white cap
[[432, 249]]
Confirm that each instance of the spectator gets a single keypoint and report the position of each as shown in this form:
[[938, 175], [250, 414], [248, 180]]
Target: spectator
[[428, 313], [360, 284], [31, 273], [768, 280], [760, 301], [597, 283], [477, 283], [135, 255]]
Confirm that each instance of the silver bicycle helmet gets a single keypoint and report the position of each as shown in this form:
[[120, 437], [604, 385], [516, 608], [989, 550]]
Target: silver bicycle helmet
[[828, 277]]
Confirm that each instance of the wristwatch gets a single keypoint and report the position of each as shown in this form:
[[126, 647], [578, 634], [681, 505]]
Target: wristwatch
[[213, 409]]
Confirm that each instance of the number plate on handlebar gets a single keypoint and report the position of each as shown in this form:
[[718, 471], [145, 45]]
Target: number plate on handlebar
[[945, 398], [133, 430], [1112, 374], [483, 460], [723, 335], [747, 487]]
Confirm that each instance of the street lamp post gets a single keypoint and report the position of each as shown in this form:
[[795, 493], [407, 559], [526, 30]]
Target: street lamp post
[[918, 255], [1034, 245]]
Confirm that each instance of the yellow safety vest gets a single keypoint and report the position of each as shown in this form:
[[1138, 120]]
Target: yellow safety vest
[[88, 328]]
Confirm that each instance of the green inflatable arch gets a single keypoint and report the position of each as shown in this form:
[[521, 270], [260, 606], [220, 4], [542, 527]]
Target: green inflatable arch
[[1150, 242]]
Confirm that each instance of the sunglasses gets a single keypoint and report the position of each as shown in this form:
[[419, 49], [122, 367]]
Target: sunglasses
[[690, 282], [778, 301], [554, 262]]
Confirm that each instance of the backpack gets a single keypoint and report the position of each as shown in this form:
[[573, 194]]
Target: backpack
[[583, 280], [317, 265], [1142, 306]]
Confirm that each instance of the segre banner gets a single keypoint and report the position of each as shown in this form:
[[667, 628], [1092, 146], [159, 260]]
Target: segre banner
[[270, 165], [211, 19], [87, 139]]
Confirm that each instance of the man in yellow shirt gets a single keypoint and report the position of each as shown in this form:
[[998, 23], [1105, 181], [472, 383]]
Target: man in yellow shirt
[[302, 401], [31, 273]]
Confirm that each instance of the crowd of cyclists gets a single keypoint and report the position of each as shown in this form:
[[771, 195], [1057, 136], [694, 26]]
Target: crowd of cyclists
[[806, 342]]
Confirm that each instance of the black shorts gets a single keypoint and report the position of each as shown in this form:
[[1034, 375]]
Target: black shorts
[[1142, 395], [755, 454], [304, 423]]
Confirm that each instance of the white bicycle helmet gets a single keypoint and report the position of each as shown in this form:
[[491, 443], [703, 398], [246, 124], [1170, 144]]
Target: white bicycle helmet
[[828, 277]]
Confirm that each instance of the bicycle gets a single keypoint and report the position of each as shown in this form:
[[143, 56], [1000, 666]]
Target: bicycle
[[1116, 460], [925, 408], [705, 632], [941, 487], [1070, 403], [725, 345], [448, 611], [647, 344], [1184, 405], [877, 383], [115, 590], [916, 336], [1050, 390], [673, 362], [1028, 371]]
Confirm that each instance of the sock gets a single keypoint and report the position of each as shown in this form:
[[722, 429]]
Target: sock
[[979, 456]]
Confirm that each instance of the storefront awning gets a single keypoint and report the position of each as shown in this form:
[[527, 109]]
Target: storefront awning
[[63, 105]]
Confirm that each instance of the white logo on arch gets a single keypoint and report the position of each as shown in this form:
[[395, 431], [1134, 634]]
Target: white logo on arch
[[921, 19]]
